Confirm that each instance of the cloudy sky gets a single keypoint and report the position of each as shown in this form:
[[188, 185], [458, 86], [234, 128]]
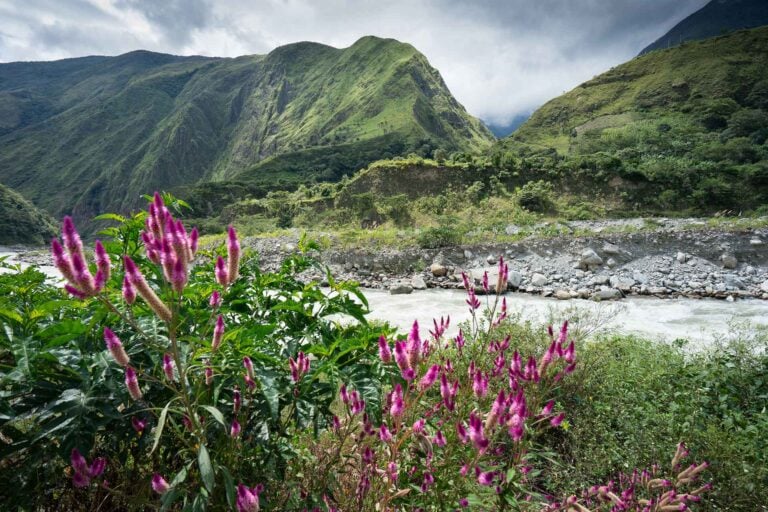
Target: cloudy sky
[[500, 58]]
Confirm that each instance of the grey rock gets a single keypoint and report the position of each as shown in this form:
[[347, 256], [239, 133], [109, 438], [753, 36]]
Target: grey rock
[[539, 279], [491, 259], [612, 263], [612, 249], [640, 277], [511, 229], [514, 279], [590, 259], [764, 286], [682, 257], [562, 294], [732, 281], [418, 283], [438, 270], [728, 260], [607, 294], [755, 241], [600, 279], [624, 284], [400, 289], [468, 254]]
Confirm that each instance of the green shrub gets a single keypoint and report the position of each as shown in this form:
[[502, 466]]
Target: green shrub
[[443, 236]]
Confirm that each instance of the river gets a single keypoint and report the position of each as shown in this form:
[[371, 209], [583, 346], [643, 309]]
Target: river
[[700, 321]]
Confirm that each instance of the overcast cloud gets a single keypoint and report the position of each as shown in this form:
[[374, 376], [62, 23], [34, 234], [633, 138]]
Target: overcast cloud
[[500, 58]]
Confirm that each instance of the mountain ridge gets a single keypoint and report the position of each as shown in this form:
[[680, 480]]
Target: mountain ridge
[[113, 128]]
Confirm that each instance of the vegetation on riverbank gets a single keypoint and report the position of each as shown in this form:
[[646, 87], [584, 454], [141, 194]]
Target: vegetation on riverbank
[[222, 386]]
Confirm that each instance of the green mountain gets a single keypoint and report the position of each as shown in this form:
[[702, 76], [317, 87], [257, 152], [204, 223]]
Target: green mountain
[[676, 129], [714, 19], [92, 134], [21, 222]]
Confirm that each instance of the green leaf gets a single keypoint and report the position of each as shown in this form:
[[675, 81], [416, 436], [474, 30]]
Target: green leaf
[[215, 413], [229, 486], [160, 426], [268, 379], [206, 470]]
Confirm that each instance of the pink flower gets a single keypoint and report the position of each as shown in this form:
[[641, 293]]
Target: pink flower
[[460, 340], [418, 426], [430, 377], [384, 434], [193, 239], [486, 287], [132, 383], [129, 292], [233, 255], [159, 484], [236, 400], [403, 361], [168, 367], [102, 264], [115, 348], [79, 464], [178, 276], [234, 430], [486, 478], [557, 420], [218, 333], [392, 470], [476, 434], [248, 498], [215, 300], [384, 353], [413, 345], [208, 372], [462, 432], [298, 367], [222, 277], [150, 297], [480, 384], [396, 398], [138, 424], [248, 364], [547, 409], [439, 439]]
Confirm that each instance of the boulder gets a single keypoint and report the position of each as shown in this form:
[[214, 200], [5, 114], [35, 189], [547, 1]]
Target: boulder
[[418, 283], [682, 257], [764, 286], [511, 229], [589, 259], [438, 270], [728, 260], [732, 281], [607, 294], [562, 294], [400, 289], [539, 280], [515, 279], [491, 259], [611, 249]]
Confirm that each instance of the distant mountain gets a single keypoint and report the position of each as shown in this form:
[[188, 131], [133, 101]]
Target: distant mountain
[[502, 130], [21, 222], [714, 19], [684, 129], [92, 134]]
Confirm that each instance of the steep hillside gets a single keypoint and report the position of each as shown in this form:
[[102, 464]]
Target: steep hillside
[[21, 222], [91, 135], [683, 128], [714, 19]]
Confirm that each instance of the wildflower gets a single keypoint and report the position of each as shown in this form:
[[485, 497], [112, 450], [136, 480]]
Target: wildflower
[[403, 361], [462, 432], [428, 481], [132, 383], [486, 287], [236, 400], [476, 434], [150, 297], [129, 292], [71, 262], [496, 410], [384, 353], [168, 367], [298, 367], [413, 345], [233, 255], [115, 348], [459, 340], [463, 502], [248, 364], [159, 484], [222, 277], [79, 464], [396, 397], [392, 470], [215, 300], [178, 276], [218, 333], [547, 409], [440, 328], [138, 424], [418, 426], [486, 478], [480, 384], [208, 372], [557, 420], [83, 473], [439, 439], [384, 434], [472, 301], [429, 377], [234, 430]]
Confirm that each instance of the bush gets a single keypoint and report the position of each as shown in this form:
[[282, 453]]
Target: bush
[[536, 196], [433, 238]]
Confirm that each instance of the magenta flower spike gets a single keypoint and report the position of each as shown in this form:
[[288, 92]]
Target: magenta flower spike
[[486, 478], [208, 372], [194, 237], [79, 464], [138, 424], [143, 289], [462, 433], [71, 237], [132, 383], [215, 300], [384, 353], [179, 276], [222, 277], [472, 301], [62, 261], [476, 433], [234, 430], [460, 341], [168, 367], [418, 426], [248, 364], [496, 410], [430, 377], [486, 285], [396, 397], [102, 261], [233, 255], [344, 394], [403, 361], [218, 335], [159, 484], [439, 439], [413, 345], [480, 384], [384, 434], [557, 420], [80, 479], [392, 470], [129, 292], [547, 409], [248, 498], [115, 348], [570, 353]]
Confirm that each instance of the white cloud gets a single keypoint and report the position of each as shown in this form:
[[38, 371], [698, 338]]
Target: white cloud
[[498, 57]]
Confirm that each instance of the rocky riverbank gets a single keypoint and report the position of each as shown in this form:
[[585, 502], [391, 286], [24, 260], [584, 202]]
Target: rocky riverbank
[[674, 259]]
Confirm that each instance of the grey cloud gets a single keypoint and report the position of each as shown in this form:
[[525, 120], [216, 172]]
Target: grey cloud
[[176, 19], [499, 57]]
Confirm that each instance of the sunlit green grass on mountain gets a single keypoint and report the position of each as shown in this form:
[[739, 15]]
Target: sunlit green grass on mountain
[[91, 135]]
